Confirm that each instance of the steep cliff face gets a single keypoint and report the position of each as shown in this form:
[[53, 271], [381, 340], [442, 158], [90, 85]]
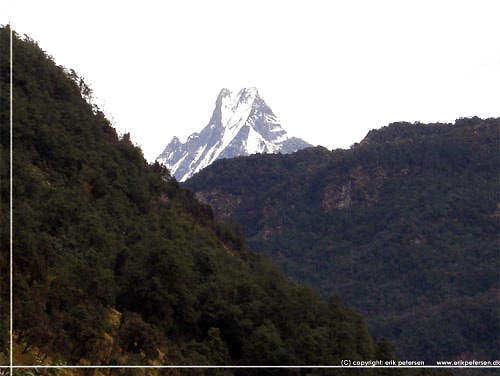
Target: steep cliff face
[[242, 124]]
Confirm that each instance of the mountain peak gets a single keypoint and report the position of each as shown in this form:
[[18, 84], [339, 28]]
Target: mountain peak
[[245, 94], [251, 90], [241, 124], [224, 92]]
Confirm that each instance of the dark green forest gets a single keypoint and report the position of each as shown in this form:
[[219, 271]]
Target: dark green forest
[[116, 264], [403, 227]]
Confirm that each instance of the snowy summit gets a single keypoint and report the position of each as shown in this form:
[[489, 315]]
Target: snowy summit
[[241, 124]]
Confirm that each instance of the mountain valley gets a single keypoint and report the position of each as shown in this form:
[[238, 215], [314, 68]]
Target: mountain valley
[[403, 227], [387, 251]]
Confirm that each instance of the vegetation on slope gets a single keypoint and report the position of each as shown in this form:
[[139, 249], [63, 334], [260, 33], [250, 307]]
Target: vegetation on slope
[[115, 264], [403, 227]]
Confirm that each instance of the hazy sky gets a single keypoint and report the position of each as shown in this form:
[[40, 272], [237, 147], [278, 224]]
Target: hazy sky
[[330, 70]]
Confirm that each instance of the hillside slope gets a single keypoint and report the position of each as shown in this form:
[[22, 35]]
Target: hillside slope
[[115, 264], [403, 227]]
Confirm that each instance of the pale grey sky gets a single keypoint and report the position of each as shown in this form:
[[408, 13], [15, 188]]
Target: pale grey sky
[[330, 70]]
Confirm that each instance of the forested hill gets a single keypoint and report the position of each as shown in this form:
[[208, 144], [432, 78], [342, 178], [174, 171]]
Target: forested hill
[[403, 227], [115, 264]]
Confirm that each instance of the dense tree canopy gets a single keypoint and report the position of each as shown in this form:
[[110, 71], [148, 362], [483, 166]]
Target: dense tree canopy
[[403, 227], [115, 264]]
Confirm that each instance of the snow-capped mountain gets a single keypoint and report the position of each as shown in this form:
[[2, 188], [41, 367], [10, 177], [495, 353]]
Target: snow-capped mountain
[[241, 124]]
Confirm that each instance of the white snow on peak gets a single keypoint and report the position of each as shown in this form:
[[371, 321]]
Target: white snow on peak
[[242, 124], [235, 108], [207, 160], [198, 154], [281, 138], [255, 142], [174, 168], [226, 107], [271, 118]]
